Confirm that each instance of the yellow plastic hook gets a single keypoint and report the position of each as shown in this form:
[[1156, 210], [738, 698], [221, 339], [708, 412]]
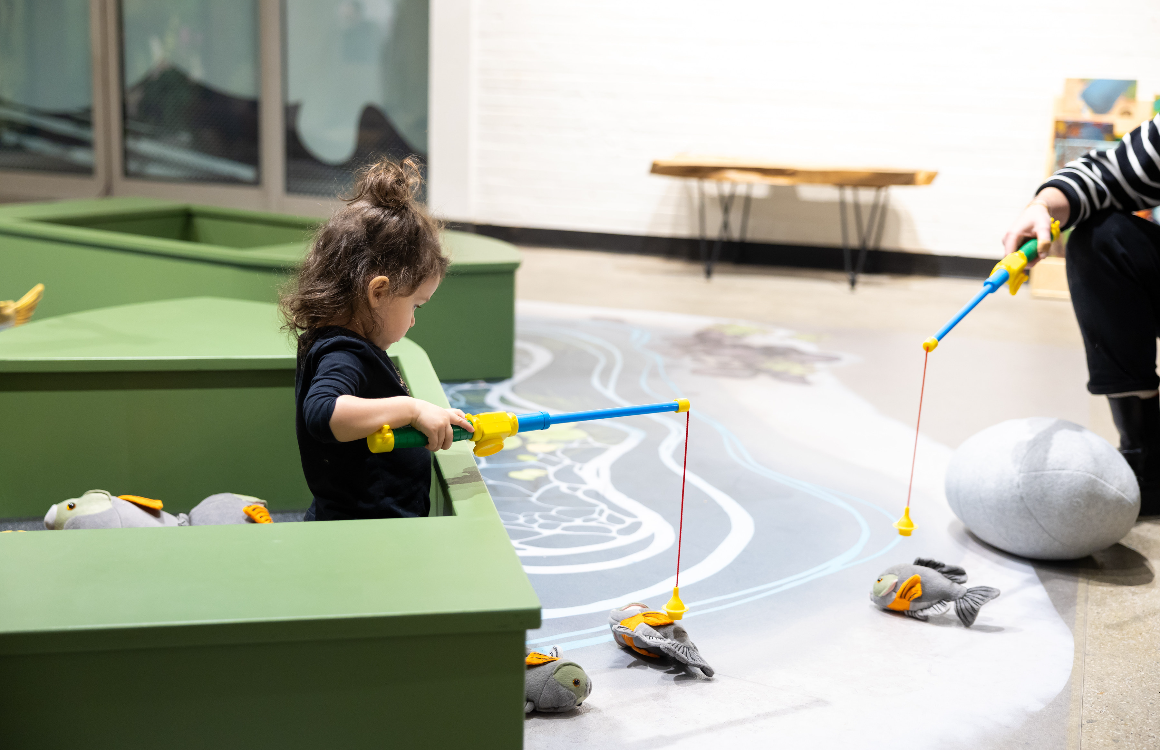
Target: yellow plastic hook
[[676, 608], [904, 525]]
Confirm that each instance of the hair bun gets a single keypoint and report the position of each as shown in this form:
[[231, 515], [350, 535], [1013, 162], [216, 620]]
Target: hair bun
[[388, 184]]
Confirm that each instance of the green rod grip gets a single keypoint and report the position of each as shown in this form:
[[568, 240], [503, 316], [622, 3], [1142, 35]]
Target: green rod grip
[[1030, 249], [409, 437]]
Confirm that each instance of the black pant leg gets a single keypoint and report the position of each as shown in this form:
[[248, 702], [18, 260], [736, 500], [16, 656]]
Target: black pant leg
[[1113, 271]]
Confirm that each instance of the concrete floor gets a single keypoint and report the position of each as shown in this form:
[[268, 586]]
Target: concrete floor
[[1110, 600]]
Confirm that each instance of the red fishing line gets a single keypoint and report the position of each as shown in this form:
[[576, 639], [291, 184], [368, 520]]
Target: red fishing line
[[921, 391], [681, 523]]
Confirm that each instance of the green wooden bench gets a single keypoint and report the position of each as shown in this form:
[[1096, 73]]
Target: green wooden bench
[[113, 251], [399, 633]]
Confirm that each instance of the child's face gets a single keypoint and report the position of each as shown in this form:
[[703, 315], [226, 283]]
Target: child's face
[[394, 316]]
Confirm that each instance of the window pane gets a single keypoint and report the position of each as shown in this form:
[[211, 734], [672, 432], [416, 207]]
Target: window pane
[[46, 86], [356, 88], [190, 77]]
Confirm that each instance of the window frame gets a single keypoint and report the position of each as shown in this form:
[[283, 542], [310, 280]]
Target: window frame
[[33, 183], [108, 178]]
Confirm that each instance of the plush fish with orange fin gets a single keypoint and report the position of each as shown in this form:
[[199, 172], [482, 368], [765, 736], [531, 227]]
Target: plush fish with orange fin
[[929, 587], [652, 633]]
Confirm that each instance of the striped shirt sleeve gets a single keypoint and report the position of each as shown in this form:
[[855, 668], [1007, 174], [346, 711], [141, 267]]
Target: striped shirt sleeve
[[1125, 178]]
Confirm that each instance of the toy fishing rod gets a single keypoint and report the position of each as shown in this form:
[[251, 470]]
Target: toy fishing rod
[[1011, 271], [492, 428]]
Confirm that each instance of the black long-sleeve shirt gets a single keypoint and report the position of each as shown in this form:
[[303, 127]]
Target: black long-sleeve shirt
[[1125, 178], [346, 479]]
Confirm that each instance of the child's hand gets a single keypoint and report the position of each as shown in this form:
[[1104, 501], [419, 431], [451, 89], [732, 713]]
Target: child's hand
[[436, 423]]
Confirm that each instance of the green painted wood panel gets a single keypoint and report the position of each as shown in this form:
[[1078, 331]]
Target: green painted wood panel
[[446, 691], [93, 254], [176, 399], [404, 632], [215, 229], [177, 439]]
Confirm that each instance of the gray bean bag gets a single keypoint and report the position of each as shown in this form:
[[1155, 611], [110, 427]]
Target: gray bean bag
[[1043, 488]]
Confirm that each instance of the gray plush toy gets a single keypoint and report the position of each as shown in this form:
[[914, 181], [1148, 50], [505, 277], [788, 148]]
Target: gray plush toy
[[228, 508], [552, 684], [928, 587], [653, 634], [98, 509]]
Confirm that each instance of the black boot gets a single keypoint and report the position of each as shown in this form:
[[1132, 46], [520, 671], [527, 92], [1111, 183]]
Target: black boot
[[1138, 422]]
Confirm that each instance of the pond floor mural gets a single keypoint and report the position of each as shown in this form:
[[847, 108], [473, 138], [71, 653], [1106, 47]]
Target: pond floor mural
[[794, 481]]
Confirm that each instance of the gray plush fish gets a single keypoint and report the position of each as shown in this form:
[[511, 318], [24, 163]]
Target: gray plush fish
[[552, 684], [98, 509], [653, 634], [927, 588], [227, 508]]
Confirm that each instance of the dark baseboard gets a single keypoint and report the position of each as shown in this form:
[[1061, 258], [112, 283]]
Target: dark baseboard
[[748, 253]]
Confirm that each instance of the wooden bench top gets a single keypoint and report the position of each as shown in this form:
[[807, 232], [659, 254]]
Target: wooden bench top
[[742, 170]]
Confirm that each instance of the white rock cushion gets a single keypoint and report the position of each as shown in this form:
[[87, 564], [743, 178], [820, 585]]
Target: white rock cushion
[[1043, 488]]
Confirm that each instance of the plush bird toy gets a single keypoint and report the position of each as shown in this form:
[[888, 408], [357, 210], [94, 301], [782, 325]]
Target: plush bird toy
[[654, 634], [97, 509], [553, 685], [19, 312], [929, 587]]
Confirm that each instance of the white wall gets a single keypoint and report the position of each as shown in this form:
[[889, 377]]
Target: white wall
[[451, 108], [570, 102]]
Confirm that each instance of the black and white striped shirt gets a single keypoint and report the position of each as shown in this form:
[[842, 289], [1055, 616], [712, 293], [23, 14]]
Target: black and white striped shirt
[[1125, 178]]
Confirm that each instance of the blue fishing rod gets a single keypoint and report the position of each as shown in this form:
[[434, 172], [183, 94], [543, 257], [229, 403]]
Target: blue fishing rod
[[1011, 271]]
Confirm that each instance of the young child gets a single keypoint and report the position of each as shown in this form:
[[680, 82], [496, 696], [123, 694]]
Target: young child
[[371, 267]]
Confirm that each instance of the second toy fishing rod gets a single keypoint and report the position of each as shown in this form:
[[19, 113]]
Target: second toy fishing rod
[[1012, 271]]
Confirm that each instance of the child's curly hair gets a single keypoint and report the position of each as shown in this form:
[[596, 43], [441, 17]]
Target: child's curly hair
[[382, 231]]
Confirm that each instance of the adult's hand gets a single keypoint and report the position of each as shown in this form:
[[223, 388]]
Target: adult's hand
[[1034, 222]]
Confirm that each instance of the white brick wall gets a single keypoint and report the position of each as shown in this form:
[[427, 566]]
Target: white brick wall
[[573, 100]]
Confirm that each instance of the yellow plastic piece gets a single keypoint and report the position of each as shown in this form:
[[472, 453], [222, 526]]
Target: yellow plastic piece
[[20, 312], [488, 447], [382, 441], [682, 405], [1016, 263], [490, 430], [676, 608], [904, 525], [930, 344]]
